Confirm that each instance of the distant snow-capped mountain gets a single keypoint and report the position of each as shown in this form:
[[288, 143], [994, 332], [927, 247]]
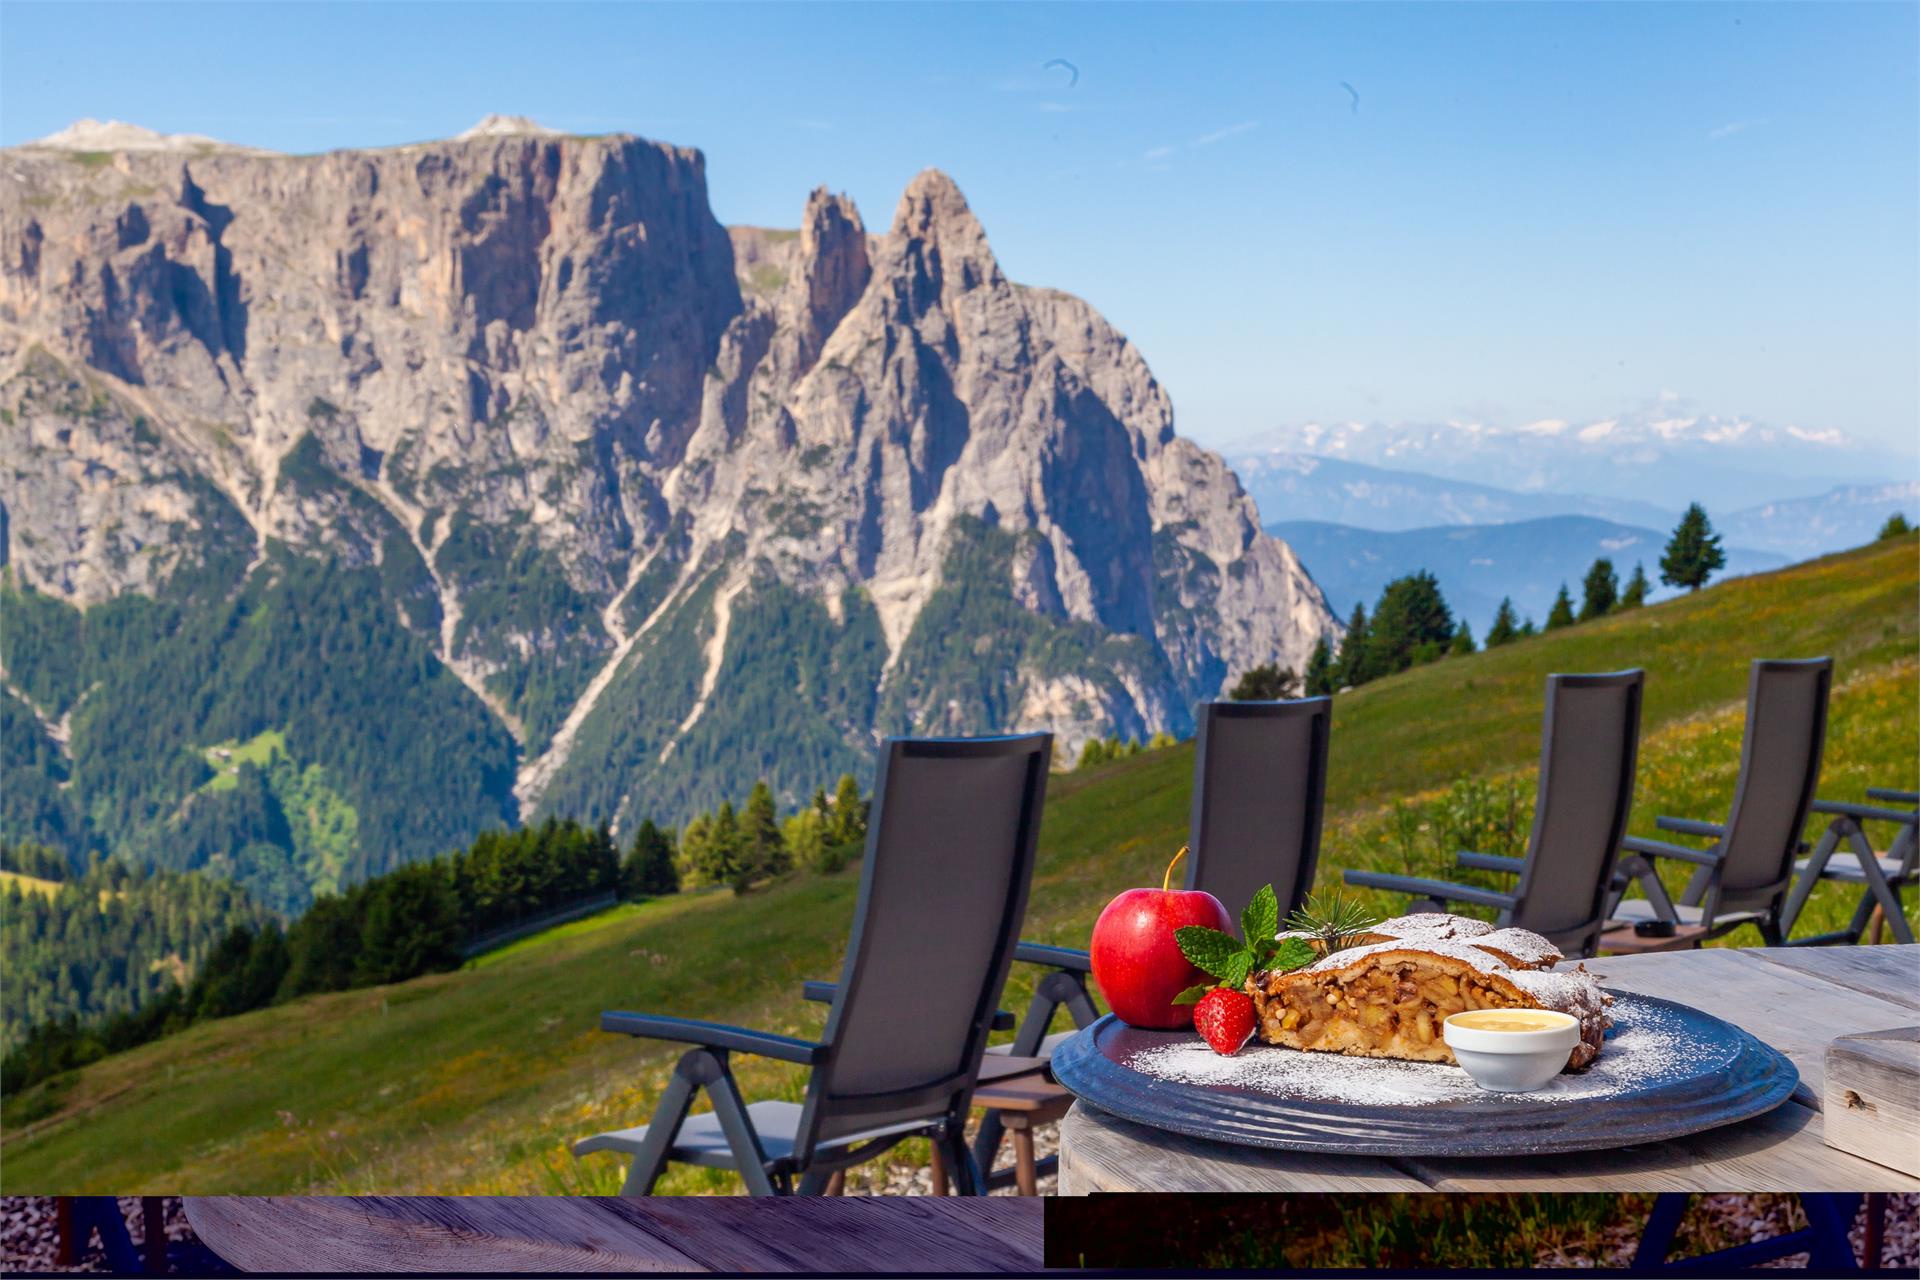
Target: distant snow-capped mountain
[[1305, 486], [1842, 517], [1664, 455]]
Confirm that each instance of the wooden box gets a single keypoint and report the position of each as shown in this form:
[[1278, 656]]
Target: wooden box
[[1872, 1101]]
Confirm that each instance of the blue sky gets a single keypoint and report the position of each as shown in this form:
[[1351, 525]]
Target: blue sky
[[1530, 212]]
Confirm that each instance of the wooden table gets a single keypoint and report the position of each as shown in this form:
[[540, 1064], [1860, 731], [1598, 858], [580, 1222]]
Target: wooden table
[[1796, 999], [478, 1234]]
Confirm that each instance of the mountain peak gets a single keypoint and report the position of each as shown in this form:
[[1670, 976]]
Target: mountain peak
[[118, 135], [496, 125]]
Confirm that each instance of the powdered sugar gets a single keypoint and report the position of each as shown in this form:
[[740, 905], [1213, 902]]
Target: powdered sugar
[[1646, 1044], [1432, 925], [1522, 947], [1483, 961]]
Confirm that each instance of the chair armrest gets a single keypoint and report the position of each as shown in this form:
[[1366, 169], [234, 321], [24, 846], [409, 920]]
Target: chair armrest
[[1072, 959], [1490, 862], [824, 992], [1661, 849], [715, 1035], [1691, 827], [1892, 796], [1866, 812], [1443, 890]]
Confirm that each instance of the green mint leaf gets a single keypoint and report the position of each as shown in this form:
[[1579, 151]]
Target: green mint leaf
[[1238, 967], [1192, 994], [1294, 953], [1209, 950], [1261, 920]]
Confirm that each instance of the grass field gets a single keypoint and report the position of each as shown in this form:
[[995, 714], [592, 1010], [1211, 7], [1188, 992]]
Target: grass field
[[29, 884], [225, 758], [475, 1081]]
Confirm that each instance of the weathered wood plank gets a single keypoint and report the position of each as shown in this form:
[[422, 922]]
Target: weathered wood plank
[[1780, 1151], [840, 1236], [479, 1234], [392, 1234], [1102, 1152], [1890, 972], [1873, 1097], [1794, 1008]]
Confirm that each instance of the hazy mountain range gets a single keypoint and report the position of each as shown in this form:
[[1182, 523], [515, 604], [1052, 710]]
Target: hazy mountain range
[[1291, 486], [1476, 565], [1662, 456]]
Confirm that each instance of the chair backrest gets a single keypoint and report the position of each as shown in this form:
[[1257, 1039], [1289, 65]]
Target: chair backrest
[[943, 890], [1779, 767], [1589, 740], [1259, 788]]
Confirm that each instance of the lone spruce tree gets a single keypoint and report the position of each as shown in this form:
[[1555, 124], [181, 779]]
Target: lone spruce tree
[[1561, 615], [1635, 593], [1462, 640], [1895, 527], [1351, 667], [1600, 591], [1506, 625], [1693, 554], [1319, 675], [765, 852], [649, 871]]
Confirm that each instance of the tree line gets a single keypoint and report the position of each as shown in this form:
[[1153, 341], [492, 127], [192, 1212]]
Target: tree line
[[413, 920]]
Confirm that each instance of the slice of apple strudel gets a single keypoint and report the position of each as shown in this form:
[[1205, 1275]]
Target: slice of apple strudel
[[1386, 995]]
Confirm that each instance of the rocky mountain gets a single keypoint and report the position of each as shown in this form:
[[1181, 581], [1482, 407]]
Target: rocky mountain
[[1846, 516], [639, 508], [1479, 564]]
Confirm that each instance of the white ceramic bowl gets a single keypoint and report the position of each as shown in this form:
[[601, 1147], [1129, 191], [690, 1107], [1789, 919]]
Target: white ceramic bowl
[[1513, 1061]]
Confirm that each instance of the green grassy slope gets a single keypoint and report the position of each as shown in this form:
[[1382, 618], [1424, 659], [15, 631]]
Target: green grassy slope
[[474, 1081]]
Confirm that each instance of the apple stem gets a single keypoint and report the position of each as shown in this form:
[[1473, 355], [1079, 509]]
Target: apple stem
[[1166, 881]]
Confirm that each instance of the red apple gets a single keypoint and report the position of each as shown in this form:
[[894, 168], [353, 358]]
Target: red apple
[[1135, 959]]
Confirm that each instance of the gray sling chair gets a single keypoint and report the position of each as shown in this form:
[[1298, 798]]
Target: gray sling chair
[[943, 890], [1743, 877], [1259, 790], [1589, 740], [1881, 875]]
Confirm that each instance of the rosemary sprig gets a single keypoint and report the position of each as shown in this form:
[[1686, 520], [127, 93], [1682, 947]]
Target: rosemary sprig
[[1336, 923]]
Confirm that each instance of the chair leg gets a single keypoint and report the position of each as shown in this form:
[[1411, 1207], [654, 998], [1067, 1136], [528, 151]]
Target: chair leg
[[937, 1169], [837, 1183], [153, 1234], [1770, 931], [1816, 865], [1662, 1225], [731, 1108], [1060, 989], [823, 1182], [668, 1115], [1024, 1176]]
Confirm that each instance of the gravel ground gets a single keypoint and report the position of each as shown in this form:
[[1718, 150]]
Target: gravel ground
[[27, 1239], [1736, 1219]]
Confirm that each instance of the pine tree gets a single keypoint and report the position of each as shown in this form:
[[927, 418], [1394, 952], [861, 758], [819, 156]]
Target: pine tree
[[764, 852], [649, 871], [1634, 594], [1528, 629], [1351, 668], [1693, 554], [696, 851], [725, 849], [1895, 527], [1411, 623], [848, 824], [1600, 591], [1268, 682], [1506, 626], [1462, 640], [1319, 674], [1561, 614]]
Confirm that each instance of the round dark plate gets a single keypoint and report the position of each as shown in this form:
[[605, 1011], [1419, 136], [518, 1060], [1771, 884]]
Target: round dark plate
[[1666, 1071]]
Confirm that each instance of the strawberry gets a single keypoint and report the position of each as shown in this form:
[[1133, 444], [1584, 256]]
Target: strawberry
[[1224, 1019]]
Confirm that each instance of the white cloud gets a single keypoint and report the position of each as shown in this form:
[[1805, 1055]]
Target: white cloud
[[1732, 127], [1156, 153], [1220, 135]]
